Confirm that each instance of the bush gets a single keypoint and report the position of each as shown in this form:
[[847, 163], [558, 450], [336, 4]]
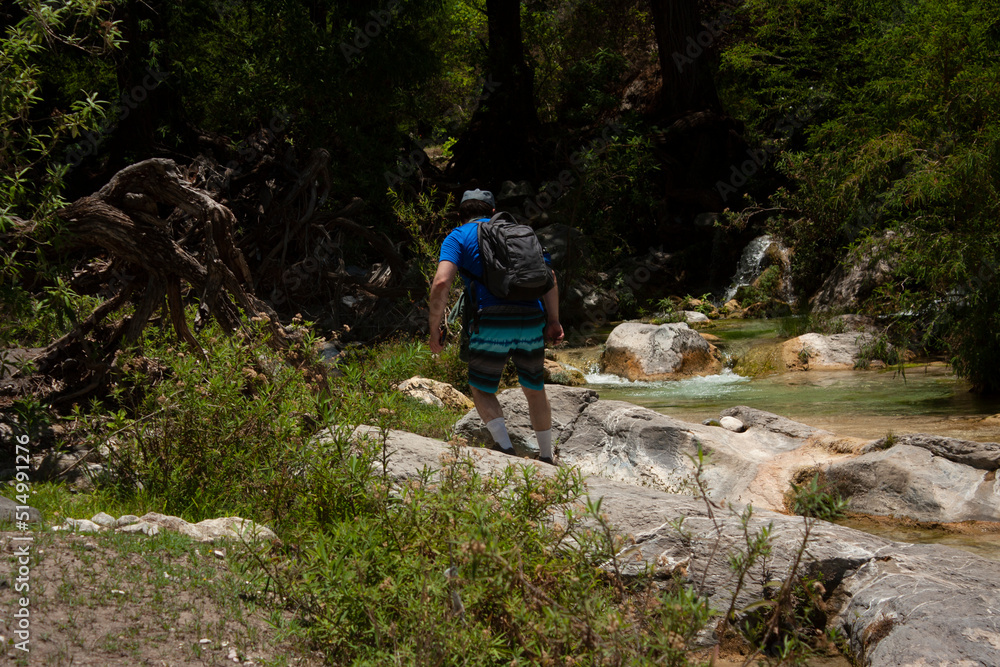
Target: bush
[[459, 568]]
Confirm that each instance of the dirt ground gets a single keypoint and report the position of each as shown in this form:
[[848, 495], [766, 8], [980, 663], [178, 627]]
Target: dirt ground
[[124, 600]]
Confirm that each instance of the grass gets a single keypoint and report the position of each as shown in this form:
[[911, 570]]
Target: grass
[[515, 568]]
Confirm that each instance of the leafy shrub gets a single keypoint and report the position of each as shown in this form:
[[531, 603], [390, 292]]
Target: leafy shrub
[[895, 159], [456, 564]]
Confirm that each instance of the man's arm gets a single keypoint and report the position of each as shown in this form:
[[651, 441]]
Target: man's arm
[[553, 330], [438, 300]]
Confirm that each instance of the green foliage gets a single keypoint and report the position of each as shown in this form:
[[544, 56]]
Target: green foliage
[[456, 564], [590, 87], [879, 348], [755, 361], [221, 433], [897, 160], [793, 327], [616, 204], [427, 221], [813, 499], [36, 130]]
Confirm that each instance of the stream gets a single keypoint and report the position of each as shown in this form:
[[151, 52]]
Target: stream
[[926, 398]]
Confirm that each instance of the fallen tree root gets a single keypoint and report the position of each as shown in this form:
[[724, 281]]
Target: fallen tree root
[[123, 219]]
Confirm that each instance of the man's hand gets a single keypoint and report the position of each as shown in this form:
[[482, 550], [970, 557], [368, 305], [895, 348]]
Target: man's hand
[[554, 332], [437, 340]]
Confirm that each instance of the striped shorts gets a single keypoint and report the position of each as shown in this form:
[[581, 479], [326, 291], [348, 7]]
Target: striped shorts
[[507, 332]]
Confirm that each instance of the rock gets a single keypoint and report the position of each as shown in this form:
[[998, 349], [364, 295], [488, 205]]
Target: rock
[[79, 526], [209, 530], [695, 317], [513, 194], [711, 339], [9, 512], [732, 310], [649, 352], [850, 283], [126, 520], [104, 520], [566, 402], [912, 482], [438, 394], [982, 455], [583, 308], [628, 443], [567, 246], [732, 424], [556, 373], [232, 528], [896, 604], [144, 527], [813, 351], [768, 421]]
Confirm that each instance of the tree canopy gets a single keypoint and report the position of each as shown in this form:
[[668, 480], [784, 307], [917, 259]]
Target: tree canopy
[[867, 128]]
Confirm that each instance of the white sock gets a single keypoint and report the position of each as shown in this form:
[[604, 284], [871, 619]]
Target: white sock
[[498, 429], [544, 443]]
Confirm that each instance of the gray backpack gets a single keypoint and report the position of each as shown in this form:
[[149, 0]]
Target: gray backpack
[[513, 260]]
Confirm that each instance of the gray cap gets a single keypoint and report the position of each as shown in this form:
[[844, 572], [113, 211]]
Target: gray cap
[[481, 195]]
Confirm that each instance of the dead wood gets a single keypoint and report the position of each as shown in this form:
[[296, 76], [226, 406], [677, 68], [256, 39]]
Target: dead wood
[[122, 219]]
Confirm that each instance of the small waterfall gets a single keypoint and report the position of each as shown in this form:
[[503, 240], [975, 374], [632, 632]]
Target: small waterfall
[[749, 267]]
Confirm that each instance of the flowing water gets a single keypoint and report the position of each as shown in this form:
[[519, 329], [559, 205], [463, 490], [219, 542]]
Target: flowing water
[[927, 398]]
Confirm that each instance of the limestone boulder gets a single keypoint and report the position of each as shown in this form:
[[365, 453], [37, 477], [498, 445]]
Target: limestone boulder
[[433, 392], [9, 512], [650, 352], [914, 482], [556, 373], [982, 455], [813, 351], [896, 604], [853, 281], [638, 446], [567, 246], [566, 402]]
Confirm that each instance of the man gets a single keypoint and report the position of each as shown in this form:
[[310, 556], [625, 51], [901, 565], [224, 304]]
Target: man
[[506, 329]]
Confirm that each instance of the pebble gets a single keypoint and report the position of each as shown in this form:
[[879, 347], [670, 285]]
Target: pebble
[[732, 424]]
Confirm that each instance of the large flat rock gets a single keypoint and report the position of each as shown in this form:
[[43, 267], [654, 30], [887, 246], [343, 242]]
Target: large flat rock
[[636, 445], [914, 482], [897, 604]]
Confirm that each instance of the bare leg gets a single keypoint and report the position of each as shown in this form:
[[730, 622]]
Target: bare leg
[[487, 405], [538, 408]]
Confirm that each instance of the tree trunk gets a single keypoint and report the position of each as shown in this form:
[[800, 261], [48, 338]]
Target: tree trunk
[[683, 44], [498, 143]]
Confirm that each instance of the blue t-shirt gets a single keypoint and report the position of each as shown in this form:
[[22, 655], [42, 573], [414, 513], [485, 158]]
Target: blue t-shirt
[[461, 247]]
